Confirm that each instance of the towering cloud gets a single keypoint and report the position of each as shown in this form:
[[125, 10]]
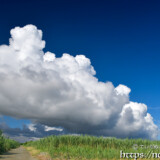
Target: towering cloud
[[65, 91]]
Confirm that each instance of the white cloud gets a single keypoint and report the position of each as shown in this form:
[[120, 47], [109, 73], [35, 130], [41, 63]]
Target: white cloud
[[32, 127], [64, 91], [47, 128], [122, 90]]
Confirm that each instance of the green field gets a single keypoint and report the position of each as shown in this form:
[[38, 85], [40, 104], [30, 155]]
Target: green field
[[90, 147], [6, 144]]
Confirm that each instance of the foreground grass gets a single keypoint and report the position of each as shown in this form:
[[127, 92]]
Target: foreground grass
[[89, 147], [6, 144]]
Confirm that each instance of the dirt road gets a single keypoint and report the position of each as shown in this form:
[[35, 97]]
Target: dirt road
[[17, 154]]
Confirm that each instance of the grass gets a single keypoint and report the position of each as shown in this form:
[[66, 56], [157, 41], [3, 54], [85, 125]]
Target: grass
[[6, 144], [90, 147]]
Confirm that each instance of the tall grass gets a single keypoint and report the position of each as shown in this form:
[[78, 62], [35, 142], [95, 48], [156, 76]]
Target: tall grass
[[6, 144], [88, 147]]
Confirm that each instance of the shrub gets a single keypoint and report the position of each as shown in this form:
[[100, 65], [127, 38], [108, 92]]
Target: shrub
[[6, 144]]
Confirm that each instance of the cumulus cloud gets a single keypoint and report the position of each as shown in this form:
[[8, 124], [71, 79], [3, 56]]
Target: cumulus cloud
[[65, 91]]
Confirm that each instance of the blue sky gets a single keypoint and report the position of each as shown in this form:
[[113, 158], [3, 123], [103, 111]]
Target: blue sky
[[121, 38]]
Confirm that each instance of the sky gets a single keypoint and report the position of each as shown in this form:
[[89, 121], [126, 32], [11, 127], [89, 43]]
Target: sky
[[120, 38]]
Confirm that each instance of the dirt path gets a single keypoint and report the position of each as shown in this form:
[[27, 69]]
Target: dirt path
[[17, 154]]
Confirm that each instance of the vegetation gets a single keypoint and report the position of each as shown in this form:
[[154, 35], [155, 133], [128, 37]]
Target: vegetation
[[89, 147], [6, 144]]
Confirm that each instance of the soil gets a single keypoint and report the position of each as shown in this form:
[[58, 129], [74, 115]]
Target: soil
[[17, 154]]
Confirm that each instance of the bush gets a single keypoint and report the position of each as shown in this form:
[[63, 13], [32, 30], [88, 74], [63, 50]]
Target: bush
[[6, 144]]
